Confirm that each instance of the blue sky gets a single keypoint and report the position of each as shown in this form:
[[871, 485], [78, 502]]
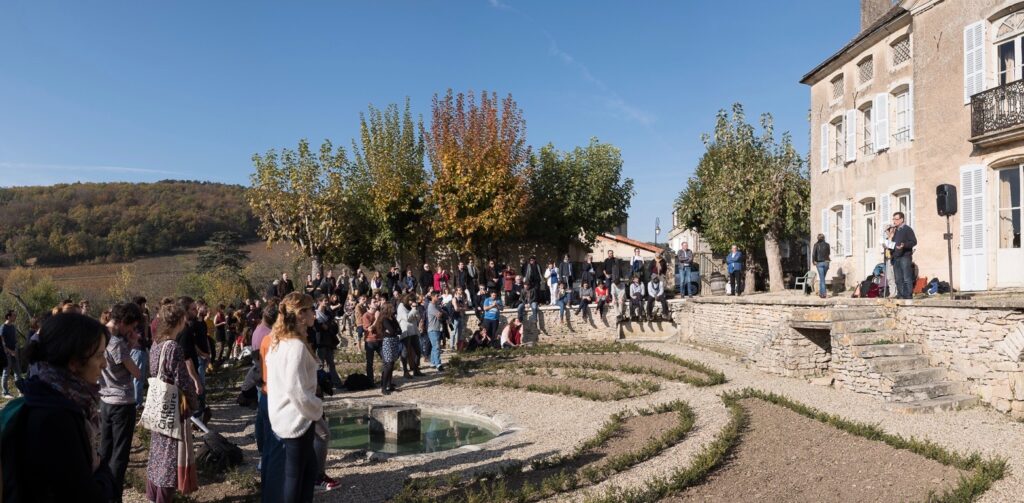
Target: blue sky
[[145, 90]]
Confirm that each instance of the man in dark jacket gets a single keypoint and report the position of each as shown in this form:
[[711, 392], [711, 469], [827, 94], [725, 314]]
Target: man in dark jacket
[[612, 264], [491, 276], [472, 275], [532, 274], [565, 271], [426, 280], [904, 242], [820, 256], [284, 286], [462, 278]]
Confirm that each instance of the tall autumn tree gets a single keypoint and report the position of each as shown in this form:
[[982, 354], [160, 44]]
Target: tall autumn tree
[[479, 159], [577, 195], [388, 166], [749, 189], [301, 197]]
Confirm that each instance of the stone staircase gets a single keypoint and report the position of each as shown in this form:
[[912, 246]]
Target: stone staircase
[[869, 355]]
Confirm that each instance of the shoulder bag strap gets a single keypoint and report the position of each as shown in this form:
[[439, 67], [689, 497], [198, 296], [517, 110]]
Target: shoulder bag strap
[[160, 367]]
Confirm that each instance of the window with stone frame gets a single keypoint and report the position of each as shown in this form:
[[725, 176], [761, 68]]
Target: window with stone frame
[[866, 70], [901, 131], [901, 51], [837, 87], [867, 134], [839, 230], [1009, 41], [838, 142]]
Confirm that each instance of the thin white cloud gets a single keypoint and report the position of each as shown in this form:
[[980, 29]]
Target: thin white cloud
[[7, 165], [608, 97]]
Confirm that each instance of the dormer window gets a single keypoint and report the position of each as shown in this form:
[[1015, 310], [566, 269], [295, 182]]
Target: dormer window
[[866, 70], [901, 51], [837, 88]]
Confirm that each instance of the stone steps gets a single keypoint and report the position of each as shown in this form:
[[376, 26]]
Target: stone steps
[[869, 338], [863, 326], [925, 391], [896, 364], [945, 403], [653, 331], [916, 376], [895, 349], [831, 314]]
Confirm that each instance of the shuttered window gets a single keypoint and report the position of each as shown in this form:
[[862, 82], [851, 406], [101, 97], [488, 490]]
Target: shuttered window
[[974, 60]]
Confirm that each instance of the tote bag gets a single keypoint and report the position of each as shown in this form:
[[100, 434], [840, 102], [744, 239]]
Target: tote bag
[[162, 414]]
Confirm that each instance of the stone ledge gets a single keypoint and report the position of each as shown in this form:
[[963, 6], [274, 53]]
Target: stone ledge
[[763, 299]]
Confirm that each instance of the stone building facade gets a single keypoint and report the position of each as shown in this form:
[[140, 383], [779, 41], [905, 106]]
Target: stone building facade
[[929, 92]]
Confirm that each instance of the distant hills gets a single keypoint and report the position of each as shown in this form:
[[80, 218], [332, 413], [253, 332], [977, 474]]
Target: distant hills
[[111, 222]]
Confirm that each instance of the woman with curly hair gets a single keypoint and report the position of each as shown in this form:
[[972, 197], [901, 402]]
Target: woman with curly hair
[[291, 394]]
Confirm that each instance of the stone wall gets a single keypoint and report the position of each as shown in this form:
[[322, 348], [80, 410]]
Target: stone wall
[[979, 346], [760, 333], [548, 329]]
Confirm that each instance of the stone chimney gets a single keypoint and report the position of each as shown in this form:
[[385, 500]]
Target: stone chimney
[[872, 10]]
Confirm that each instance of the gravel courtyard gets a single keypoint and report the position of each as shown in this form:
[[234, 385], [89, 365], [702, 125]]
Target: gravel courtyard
[[539, 425]]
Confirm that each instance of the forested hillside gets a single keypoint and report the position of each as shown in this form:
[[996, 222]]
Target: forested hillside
[[116, 221]]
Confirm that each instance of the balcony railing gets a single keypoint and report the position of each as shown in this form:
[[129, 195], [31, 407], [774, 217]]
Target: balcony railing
[[838, 161], [901, 136], [997, 109], [867, 149]]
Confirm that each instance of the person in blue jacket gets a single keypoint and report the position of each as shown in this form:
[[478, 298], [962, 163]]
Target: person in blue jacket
[[734, 261]]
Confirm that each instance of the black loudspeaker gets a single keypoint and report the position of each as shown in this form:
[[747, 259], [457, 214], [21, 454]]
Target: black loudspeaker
[[945, 199]]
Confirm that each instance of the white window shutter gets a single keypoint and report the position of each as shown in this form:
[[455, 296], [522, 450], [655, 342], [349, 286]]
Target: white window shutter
[[847, 229], [884, 206], [851, 135], [910, 109], [973, 257], [910, 208], [824, 222], [974, 60], [823, 147], [880, 114]]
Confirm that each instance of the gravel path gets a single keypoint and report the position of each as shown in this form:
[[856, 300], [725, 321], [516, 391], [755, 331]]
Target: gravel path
[[539, 425], [975, 430]]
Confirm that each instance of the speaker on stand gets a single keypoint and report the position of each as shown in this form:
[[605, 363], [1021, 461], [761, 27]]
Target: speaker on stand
[[945, 204]]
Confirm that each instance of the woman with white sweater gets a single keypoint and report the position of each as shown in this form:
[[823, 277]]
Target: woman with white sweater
[[291, 394]]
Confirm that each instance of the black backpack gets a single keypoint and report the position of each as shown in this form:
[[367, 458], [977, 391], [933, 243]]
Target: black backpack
[[358, 382]]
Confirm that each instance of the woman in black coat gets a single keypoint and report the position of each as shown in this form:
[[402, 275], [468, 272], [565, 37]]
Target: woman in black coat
[[47, 450]]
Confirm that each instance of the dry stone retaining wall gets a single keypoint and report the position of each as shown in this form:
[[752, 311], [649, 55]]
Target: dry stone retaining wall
[[979, 347], [980, 343], [761, 333]]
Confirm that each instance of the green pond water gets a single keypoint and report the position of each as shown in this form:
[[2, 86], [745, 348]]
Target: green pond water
[[350, 429]]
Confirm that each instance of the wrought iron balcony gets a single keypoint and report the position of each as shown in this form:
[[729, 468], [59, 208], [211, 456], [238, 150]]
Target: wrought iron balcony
[[997, 115]]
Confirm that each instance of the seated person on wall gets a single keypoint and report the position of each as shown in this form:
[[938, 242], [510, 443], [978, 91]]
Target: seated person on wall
[[479, 340], [512, 336], [618, 295], [601, 293], [656, 293], [637, 292]]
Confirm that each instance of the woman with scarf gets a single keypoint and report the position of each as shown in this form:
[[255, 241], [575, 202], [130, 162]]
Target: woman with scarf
[[51, 454], [294, 409], [169, 457]]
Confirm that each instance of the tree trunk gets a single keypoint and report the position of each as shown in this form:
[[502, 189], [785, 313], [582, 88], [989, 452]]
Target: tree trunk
[[749, 280], [771, 251], [317, 266]]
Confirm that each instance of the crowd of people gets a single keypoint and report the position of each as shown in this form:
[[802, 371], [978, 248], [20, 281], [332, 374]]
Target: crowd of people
[[91, 376]]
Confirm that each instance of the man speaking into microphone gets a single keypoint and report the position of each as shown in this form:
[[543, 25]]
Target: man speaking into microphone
[[903, 241]]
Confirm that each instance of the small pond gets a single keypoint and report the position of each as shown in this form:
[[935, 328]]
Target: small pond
[[350, 429]]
